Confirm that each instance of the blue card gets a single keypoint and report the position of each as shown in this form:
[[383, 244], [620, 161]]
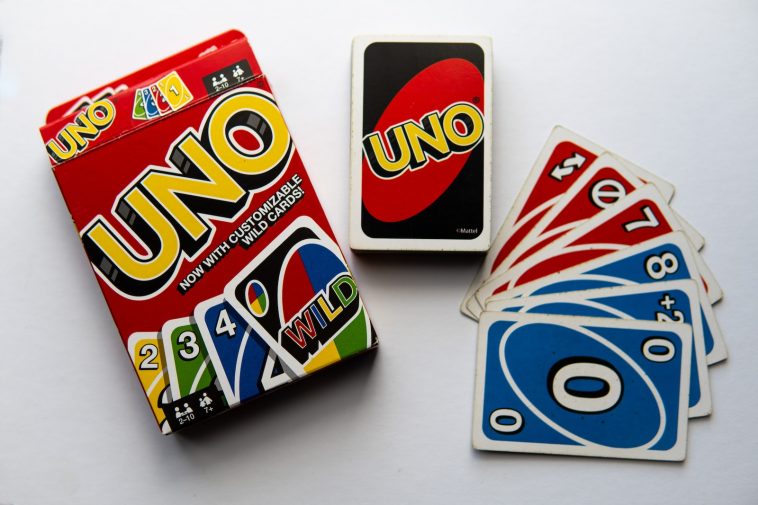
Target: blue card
[[245, 364], [582, 386], [665, 258], [151, 108], [667, 301]]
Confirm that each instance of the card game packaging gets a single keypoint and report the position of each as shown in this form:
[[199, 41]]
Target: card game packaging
[[204, 231], [420, 143]]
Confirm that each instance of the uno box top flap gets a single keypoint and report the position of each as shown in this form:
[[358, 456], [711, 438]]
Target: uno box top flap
[[132, 102], [164, 66]]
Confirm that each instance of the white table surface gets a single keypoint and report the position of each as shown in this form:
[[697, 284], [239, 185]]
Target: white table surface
[[673, 86]]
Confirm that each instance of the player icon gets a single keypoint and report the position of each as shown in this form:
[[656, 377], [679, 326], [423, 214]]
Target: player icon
[[205, 400], [220, 82], [237, 72]]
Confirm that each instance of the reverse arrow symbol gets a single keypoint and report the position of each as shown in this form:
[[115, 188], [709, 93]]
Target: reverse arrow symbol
[[567, 166]]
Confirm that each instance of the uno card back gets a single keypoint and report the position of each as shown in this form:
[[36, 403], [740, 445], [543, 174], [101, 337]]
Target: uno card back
[[420, 148]]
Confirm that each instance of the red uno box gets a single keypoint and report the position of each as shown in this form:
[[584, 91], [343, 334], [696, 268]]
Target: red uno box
[[204, 231]]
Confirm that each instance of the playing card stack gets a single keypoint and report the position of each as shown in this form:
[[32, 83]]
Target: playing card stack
[[596, 326]]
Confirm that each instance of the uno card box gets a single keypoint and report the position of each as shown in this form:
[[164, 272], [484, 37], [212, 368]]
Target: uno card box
[[204, 232], [421, 143]]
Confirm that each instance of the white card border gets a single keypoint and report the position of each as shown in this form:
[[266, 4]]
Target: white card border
[[359, 241]]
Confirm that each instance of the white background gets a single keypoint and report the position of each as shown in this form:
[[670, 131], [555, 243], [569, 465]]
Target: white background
[[673, 86]]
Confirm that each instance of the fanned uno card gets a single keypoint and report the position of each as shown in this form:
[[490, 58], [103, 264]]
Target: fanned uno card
[[673, 301], [562, 160], [639, 216], [421, 143], [300, 297], [191, 373], [203, 177], [603, 184], [245, 364], [666, 258], [146, 352], [582, 386]]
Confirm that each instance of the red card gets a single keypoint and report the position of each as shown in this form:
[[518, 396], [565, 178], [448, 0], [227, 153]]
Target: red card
[[605, 183], [640, 216], [561, 169]]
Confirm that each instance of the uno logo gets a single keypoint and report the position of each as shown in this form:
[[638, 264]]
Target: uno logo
[[242, 146], [423, 140], [75, 137], [458, 129]]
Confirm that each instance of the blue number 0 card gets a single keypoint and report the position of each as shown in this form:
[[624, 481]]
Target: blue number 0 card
[[582, 386]]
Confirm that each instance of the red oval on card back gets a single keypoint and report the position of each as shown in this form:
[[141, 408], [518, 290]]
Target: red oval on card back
[[434, 88]]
